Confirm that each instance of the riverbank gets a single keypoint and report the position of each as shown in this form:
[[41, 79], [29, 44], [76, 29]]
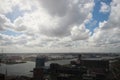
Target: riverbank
[[13, 62], [25, 68]]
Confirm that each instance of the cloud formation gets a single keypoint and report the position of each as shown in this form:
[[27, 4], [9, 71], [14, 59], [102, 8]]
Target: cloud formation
[[108, 32], [49, 25], [104, 8], [5, 23]]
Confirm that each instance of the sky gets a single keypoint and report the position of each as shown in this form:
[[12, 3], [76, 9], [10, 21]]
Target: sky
[[44, 26]]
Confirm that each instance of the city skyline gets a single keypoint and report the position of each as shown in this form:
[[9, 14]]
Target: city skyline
[[59, 26]]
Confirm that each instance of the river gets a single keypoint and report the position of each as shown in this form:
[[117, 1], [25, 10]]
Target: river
[[25, 68]]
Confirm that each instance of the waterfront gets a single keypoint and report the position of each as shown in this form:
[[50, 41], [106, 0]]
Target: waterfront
[[25, 68]]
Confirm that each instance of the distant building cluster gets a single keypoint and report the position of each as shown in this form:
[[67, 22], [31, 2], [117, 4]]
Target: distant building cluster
[[81, 69]]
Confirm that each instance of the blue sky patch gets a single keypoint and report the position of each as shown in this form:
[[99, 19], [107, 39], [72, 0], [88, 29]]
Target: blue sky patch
[[97, 15], [16, 12], [11, 33]]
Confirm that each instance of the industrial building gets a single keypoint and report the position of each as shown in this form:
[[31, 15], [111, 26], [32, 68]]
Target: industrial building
[[81, 69], [2, 77]]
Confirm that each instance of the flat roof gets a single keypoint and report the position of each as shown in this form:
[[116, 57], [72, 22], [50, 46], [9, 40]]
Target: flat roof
[[100, 58]]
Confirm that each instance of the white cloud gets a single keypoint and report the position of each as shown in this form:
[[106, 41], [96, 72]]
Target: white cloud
[[5, 23], [80, 33], [60, 26], [104, 7], [108, 33], [19, 24], [58, 23], [55, 7], [7, 6]]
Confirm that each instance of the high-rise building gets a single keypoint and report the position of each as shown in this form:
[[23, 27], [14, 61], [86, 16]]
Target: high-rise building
[[38, 73], [2, 77], [40, 62]]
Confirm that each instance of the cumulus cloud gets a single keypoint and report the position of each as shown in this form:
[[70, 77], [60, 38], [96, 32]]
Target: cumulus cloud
[[59, 25], [55, 18], [19, 25], [5, 23], [6, 6], [104, 7], [108, 32], [79, 33], [55, 7]]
